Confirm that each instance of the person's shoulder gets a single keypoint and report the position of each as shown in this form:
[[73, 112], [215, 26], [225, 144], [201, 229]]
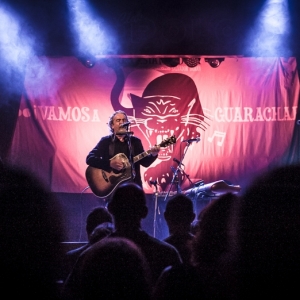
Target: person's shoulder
[[135, 138], [162, 244], [184, 269], [78, 250], [169, 239], [105, 138], [167, 245], [182, 280], [186, 236]]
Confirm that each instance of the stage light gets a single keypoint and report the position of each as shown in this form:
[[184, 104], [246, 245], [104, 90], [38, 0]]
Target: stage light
[[192, 62], [88, 62], [270, 35], [214, 62], [93, 35], [171, 62], [16, 46]]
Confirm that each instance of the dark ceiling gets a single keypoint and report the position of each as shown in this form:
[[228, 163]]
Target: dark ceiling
[[197, 27]]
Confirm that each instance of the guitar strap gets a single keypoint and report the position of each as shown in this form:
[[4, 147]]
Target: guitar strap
[[111, 147]]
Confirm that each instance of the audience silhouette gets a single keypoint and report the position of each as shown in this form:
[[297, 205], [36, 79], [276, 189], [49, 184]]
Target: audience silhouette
[[244, 247], [31, 235], [100, 232], [179, 215], [98, 216], [212, 246], [128, 207], [113, 269], [268, 236], [209, 273]]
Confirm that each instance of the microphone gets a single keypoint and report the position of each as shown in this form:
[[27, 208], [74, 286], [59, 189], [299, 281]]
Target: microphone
[[176, 160], [126, 124], [197, 139]]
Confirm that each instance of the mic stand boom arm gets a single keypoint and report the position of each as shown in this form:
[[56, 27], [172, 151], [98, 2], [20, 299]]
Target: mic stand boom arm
[[187, 176]]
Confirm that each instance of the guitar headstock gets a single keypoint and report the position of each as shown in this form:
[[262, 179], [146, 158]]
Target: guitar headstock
[[168, 141]]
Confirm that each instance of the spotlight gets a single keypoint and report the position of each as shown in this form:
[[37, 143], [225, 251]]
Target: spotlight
[[88, 62], [191, 61], [214, 62], [171, 62]]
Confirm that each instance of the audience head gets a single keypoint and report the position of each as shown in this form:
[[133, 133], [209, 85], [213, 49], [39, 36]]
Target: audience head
[[97, 216], [268, 223], [115, 268], [100, 232], [31, 233], [179, 211], [212, 246], [128, 203], [213, 230]]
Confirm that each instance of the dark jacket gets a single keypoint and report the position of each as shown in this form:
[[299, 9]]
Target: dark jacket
[[108, 147]]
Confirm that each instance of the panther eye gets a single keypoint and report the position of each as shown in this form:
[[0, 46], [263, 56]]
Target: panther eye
[[173, 110]]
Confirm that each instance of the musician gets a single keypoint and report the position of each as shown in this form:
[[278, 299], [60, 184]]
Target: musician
[[116, 142]]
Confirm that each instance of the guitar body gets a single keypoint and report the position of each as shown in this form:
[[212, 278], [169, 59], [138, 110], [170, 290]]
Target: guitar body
[[103, 183]]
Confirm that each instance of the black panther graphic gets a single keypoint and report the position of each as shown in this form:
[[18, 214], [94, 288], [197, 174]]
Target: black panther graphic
[[169, 105]]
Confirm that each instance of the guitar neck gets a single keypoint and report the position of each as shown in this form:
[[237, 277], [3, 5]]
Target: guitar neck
[[164, 143], [141, 155]]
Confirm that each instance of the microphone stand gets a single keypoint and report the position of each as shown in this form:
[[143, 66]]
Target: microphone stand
[[131, 162], [129, 135], [192, 185], [175, 173], [155, 207]]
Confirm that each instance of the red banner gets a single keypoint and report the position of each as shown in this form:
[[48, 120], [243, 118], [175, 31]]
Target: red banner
[[243, 111]]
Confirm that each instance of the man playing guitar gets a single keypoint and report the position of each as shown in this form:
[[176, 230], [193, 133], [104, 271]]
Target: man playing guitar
[[114, 158]]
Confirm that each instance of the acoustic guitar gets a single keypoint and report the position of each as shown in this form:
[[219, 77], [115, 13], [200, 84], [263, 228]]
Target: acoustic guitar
[[103, 183]]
